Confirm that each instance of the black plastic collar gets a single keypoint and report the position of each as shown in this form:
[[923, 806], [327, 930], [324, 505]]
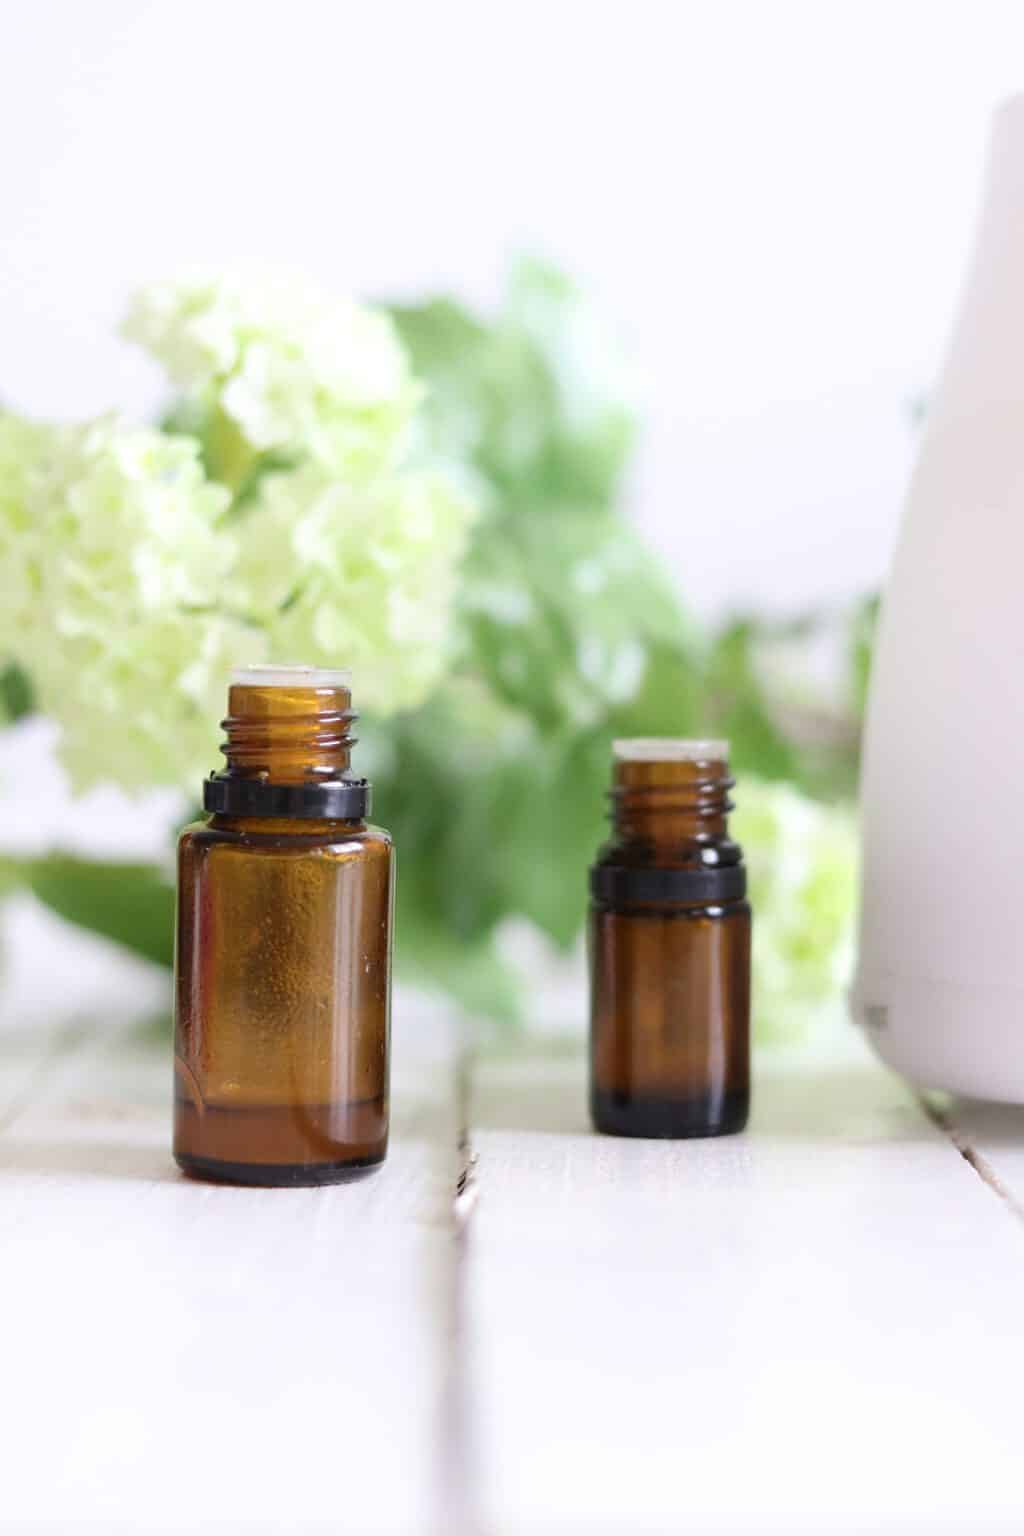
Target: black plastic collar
[[621, 885], [337, 800]]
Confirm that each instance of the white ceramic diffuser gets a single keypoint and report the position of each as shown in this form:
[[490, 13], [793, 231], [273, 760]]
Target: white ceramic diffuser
[[940, 981]]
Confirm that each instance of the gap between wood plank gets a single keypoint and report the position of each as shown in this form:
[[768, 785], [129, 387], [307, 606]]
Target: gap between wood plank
[[975, 1159], [804, 1252], [460, 1504]]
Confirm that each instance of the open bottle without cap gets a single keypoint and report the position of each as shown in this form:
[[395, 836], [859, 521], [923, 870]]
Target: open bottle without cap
[[669, 936], [283, 950]]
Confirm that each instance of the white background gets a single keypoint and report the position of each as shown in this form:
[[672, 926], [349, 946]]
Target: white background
[[772, 203]]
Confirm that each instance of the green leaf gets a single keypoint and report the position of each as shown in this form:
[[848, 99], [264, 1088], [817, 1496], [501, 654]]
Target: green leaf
[[863, 631], [16, 697], [132, 904], [537, 402], [12, 875], [737, 710], [473, 974]]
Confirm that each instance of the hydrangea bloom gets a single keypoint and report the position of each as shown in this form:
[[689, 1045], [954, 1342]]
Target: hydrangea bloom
[[801, 859], [117, 560], [362, 572], [140, 566], [295, 371], [24, 449]]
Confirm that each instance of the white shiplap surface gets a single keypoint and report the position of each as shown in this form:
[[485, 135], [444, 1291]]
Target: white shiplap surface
[[813, 1327], [181, 1357]]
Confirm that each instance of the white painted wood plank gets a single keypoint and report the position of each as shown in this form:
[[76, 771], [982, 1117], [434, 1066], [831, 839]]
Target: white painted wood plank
[[179, 1357], [813, 1327], [58, 986]]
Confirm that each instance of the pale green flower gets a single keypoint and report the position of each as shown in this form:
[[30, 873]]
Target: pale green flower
[[139, 566], [121, 562], [24, 449], [801, 859], [145, 709], [360, 575], [296, 371]]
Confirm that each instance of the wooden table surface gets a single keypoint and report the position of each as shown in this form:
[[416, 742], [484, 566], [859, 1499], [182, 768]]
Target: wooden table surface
[[516, 1327]]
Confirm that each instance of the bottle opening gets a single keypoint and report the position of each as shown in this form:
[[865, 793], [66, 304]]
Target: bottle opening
[[288, 747], [669, 749], [269, 675]]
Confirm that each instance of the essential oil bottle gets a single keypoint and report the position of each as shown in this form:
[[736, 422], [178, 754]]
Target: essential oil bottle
[[285, 894], [669, 938]]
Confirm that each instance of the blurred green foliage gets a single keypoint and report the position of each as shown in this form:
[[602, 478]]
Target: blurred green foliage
[[569, 633], [132, 904]]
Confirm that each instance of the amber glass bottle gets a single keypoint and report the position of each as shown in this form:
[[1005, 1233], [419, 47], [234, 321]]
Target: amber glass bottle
[[670, 949], [282, 1009]]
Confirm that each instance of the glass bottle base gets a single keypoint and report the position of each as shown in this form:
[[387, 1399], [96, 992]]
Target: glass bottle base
[[275, 1175], [282, 1145], [625, 1114]]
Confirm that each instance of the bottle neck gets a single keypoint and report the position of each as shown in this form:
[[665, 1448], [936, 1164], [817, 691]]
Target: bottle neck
[[668, 804], [288, 735], [285, 826]]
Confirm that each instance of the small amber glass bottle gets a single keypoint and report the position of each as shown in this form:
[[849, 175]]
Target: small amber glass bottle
[[283, 960], [670, 949]]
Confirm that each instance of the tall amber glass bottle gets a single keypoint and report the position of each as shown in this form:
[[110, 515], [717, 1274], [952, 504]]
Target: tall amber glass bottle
[[282, 1011], [670, 949]]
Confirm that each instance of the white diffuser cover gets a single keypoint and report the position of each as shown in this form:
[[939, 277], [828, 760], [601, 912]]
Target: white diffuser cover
[[940, 980]]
